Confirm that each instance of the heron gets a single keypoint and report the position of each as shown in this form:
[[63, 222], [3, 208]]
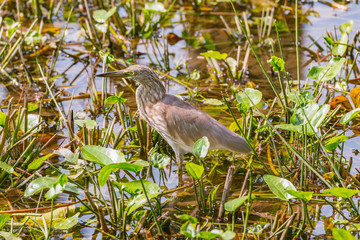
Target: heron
[[177, 121]]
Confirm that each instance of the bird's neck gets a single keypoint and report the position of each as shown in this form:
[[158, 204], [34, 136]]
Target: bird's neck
[[150, 93]]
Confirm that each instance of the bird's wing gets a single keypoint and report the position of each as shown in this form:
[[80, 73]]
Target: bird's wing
[[187, 124]]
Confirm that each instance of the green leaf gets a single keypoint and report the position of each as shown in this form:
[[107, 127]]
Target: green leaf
[[234, 204], [349, 116], [319, 116], [342, 234], [115, 99], [228, 235], [289, 127], [159, 160], [89, 124], [32, 121], [6, 167], [102, 156], [58, 187], [135, 187], [32, 107], [154, 7], [38, 162], [139, 201], [68, 155], [102, 15], [113, 167], [9, 236], [67, 223], [201, 147], [253, 94], [277, 63], [188, 230], [3, 219], [44, 183], [2, 119], [279, 186], [333, 143], [329, 40], [305, 196], [188, 218], [208, 235], [346, 27], [341, 192], [214, 54], [328, 72], [303, 114], [212, 101], [340, 49], [194, 170]]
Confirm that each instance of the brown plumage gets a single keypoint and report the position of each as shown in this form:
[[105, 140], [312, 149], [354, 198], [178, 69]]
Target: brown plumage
[[178, 122]]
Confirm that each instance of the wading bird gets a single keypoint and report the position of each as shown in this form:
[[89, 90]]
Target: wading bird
[[178, 122]]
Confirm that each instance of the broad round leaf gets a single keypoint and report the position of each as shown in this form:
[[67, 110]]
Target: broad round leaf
[[113, 167], [102, 156], [201, 147], [234, 204], [67, 223], [44, 183], [194, 170], [341, 192], [342, 234], [349, 116], [135, 187], [279, 186], [159, 160]]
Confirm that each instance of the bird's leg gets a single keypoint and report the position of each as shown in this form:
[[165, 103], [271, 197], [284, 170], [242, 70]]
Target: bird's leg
[[179, 160]]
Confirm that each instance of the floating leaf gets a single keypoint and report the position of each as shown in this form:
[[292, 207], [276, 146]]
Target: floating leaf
[[32, 121], [189, 218], [305, 196], [341, 192], [328, 72], [113, 167], [333, 143], [201, 147], [342, 234], [279, 186], [227, 235], [159, 160], [208, 235], [277, 63], [215, 54], [67, 223], [234, 204], [194, 170], [135, 187], [102, 156]]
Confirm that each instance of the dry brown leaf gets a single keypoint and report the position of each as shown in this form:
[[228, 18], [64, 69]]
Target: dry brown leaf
[[343, 101], [355, 96]]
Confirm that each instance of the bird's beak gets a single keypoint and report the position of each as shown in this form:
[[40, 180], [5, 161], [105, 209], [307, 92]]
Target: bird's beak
[[121, 73]]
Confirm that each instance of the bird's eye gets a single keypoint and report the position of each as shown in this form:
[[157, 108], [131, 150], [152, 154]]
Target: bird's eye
[[131, 73]]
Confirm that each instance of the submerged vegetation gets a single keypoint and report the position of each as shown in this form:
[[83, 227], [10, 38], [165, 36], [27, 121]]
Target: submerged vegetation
[[77, 161]]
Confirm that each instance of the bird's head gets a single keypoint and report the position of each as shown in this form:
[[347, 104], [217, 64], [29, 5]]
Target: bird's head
[[139, 73]]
